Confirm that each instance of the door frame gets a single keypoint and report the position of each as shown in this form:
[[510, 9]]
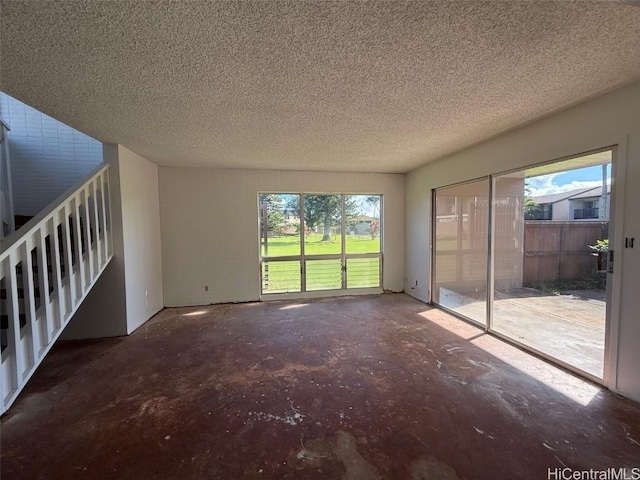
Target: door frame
[[613, 279]]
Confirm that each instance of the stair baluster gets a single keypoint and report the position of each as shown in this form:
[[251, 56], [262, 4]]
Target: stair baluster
[[47, 268]]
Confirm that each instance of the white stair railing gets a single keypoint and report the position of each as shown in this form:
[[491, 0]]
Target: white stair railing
[[47, 268]]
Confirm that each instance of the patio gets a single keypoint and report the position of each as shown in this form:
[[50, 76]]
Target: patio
[[569, 326]]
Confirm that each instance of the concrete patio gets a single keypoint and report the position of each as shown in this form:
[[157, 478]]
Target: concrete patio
[[569, 326]]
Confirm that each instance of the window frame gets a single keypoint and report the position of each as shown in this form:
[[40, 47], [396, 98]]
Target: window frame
[[303, 257]]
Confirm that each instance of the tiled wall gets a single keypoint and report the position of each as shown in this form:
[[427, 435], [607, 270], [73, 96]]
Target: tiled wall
[[47, 156]]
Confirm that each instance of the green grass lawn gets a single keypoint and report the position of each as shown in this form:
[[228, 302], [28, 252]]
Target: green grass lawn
[[322, 274], [285, 276], [290, 245]]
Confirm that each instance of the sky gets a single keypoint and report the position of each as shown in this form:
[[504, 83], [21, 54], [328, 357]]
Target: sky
[[587, 177]]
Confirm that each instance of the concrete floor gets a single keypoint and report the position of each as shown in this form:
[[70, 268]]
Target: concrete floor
[[377, 387], [569, 326]]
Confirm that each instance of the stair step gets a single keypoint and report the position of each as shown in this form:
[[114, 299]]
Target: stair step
[[4, 321]]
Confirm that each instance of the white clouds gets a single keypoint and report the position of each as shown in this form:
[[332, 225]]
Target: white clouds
[[545, 185], [542, 185]]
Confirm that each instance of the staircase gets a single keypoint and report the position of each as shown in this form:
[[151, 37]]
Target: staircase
[[47, 268]]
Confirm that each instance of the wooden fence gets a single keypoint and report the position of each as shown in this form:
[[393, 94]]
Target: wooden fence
[[559, 250]]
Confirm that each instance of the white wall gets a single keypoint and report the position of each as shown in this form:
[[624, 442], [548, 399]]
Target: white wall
[[209, 221], [47, 156], [130, 290], [612, 119], [141, 229], [560, 210]]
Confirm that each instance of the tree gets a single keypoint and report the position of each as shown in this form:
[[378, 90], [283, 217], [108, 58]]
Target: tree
[[374, 201], [274, 206], [530, 206], [323, 211]]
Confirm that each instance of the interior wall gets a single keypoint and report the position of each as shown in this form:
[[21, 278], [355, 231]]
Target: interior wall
[[209, 222], [47, 157], [611, 119], [141, 229], [129, 292]]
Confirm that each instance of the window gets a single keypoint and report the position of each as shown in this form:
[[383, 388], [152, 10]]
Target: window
[[336, 244], [532, 211]]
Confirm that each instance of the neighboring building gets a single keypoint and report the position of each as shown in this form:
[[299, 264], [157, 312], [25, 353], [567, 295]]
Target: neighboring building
[[590, 205], [361, 225], [579, 204], [291, 225]]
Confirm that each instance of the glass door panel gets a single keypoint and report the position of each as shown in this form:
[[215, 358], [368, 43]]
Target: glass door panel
[[460, 248], [548, 292]]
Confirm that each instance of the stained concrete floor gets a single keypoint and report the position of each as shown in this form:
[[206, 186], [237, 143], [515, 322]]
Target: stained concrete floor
[[376, 387], [569, 326]]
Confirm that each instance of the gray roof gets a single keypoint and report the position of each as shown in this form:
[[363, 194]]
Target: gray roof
[[557, 197], [594, 192]]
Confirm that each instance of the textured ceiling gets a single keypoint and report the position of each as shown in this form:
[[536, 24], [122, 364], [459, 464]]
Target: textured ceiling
[[346, 86]]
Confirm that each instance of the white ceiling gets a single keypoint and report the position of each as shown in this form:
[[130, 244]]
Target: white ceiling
[[345, 86]]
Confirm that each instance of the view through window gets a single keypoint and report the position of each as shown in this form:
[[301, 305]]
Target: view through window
[[336, 244]]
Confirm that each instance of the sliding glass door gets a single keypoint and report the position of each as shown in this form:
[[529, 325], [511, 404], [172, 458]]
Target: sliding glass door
[[335, 244], [461, 225], [549, 292], [531, 255]]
